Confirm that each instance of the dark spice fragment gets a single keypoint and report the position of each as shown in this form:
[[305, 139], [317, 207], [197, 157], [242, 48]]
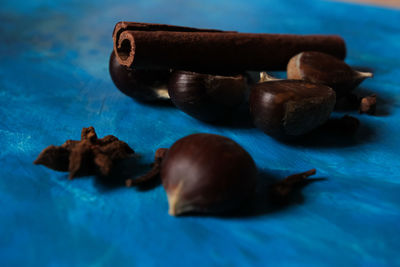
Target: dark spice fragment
[[282, 190], [368, 104], [89, 156], [153, 173]]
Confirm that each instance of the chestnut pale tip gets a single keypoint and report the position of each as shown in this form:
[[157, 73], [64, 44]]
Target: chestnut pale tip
[[365, 75], [265, 77], [175, 208], [162, 92]]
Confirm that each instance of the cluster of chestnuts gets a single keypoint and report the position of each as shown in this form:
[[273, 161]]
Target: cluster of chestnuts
[[284, 109], [208, 173]]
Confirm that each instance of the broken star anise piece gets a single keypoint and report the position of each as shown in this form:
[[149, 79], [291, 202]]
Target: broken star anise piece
[[89, 156]]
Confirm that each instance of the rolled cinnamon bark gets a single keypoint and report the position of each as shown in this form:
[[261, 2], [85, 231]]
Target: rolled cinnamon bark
[[147, 27], [165, 46], [141, 26]]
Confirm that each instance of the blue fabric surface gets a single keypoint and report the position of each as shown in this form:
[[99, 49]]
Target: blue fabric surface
[[54, 81]]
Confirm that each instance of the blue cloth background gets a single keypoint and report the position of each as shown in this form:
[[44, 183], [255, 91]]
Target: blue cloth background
[[54, 81]]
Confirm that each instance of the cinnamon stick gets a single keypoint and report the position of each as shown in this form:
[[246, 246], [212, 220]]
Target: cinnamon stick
[[153, 46], [141, 26]]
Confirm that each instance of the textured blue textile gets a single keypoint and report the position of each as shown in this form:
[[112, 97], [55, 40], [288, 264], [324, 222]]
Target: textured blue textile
[[54, 81]]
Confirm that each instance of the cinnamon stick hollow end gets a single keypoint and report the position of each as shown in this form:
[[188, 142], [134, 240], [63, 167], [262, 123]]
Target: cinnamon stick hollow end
[[125, 49]]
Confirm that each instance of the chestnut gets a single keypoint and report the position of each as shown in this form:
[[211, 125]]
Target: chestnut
[[207, 97], [325, 69], [207, 173], [203, 173], [286, 109], [141, 84]]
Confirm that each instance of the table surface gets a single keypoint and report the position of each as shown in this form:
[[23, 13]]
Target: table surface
[[54, 81]]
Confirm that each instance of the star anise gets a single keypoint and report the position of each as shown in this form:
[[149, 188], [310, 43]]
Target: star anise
[[89, 156]]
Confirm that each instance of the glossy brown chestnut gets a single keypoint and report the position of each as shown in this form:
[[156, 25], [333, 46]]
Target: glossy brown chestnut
[[207, 173], [206, 97], [140, 84], [290, 108], [325, 69]]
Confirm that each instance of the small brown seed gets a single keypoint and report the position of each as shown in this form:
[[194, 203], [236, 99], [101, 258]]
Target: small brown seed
[[368, 104]]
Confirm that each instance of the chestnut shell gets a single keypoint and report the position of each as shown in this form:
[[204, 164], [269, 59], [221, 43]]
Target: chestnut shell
[[207, 173], [290, 108], [140, 84], [206, 97], [325, 69]]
